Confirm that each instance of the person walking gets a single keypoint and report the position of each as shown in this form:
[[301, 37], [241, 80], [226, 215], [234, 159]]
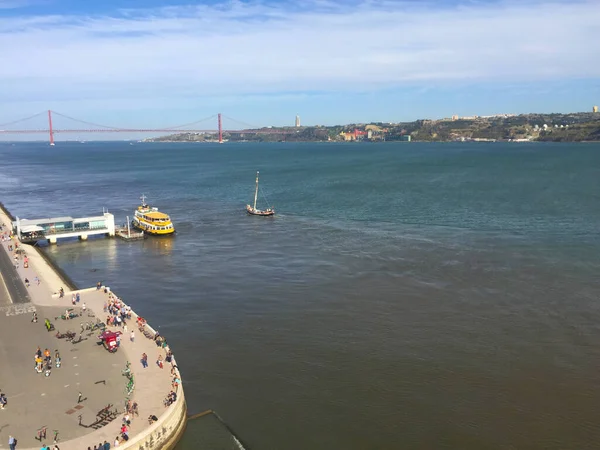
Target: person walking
[[132, 336], [144, 360], [12, 442]]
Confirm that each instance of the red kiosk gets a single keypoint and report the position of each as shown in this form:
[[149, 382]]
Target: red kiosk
[[109, 340]]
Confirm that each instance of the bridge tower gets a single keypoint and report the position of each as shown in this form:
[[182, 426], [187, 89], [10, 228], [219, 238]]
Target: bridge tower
[[50, 127], [220, 130]]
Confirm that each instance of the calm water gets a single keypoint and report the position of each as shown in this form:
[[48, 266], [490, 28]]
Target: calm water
[[414, 296]]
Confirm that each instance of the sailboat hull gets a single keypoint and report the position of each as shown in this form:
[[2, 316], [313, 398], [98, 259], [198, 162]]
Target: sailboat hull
[[259, 212]]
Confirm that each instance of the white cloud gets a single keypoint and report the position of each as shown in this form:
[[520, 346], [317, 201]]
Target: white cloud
[[250, 48], [11, 4], [16, 4]]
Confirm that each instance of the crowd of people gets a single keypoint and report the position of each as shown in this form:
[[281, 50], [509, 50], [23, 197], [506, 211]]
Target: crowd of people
[[101, 446], [170, 399], [119, 314], [43, 361]]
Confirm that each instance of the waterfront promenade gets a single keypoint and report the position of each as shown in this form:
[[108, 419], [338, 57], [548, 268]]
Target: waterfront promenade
[[36, 401]]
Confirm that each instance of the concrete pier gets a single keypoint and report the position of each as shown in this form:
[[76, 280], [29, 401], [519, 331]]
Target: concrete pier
[[36, 401]]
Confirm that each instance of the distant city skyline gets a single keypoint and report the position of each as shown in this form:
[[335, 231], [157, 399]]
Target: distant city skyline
[[264, 62]]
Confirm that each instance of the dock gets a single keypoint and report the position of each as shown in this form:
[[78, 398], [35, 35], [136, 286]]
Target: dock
[[82, 402], [126, 234], [54, 228]]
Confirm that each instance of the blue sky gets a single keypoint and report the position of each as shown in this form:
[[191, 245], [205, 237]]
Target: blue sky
[[133, 63]]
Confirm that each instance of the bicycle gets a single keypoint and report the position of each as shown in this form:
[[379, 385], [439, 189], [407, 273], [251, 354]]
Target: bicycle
[[130, 383], [127, 371], [98, 326]]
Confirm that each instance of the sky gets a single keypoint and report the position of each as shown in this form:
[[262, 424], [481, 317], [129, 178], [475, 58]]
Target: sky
[[151, 63]]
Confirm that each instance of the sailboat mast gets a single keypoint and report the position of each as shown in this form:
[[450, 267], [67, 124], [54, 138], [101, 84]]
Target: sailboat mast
[[256, 191]]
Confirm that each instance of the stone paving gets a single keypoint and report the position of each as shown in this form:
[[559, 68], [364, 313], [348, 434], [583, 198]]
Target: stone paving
[[35, 400]]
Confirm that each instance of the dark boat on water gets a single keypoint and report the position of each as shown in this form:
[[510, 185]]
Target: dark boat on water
[[258, 212]]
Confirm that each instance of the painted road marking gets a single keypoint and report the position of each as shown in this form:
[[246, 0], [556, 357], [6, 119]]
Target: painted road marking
[[18, 309]]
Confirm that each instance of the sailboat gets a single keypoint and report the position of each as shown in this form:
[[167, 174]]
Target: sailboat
[[258, 212]]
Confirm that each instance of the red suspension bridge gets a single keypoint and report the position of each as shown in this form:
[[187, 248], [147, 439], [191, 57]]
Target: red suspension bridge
[[97, 128]]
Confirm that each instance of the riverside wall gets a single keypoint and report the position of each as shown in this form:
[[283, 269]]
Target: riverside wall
[[164, 433]]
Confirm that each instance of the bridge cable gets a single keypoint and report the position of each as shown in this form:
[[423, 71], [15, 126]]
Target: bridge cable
[[88, 123], [191, 123], [22, 120], [175, 128], [241, 123]]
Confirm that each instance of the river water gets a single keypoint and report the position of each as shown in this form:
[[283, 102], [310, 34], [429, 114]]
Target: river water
[[406, 295]]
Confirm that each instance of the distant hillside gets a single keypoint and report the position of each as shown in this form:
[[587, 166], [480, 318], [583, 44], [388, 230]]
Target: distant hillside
[[573, 127]]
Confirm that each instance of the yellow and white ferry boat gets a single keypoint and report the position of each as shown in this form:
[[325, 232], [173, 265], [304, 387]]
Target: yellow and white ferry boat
[[150, 220]]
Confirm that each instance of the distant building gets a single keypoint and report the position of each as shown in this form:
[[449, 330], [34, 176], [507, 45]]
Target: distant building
[[355, 135], [505, 116], [455, 117], [347, 136], [297, 121], [595, 109]]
